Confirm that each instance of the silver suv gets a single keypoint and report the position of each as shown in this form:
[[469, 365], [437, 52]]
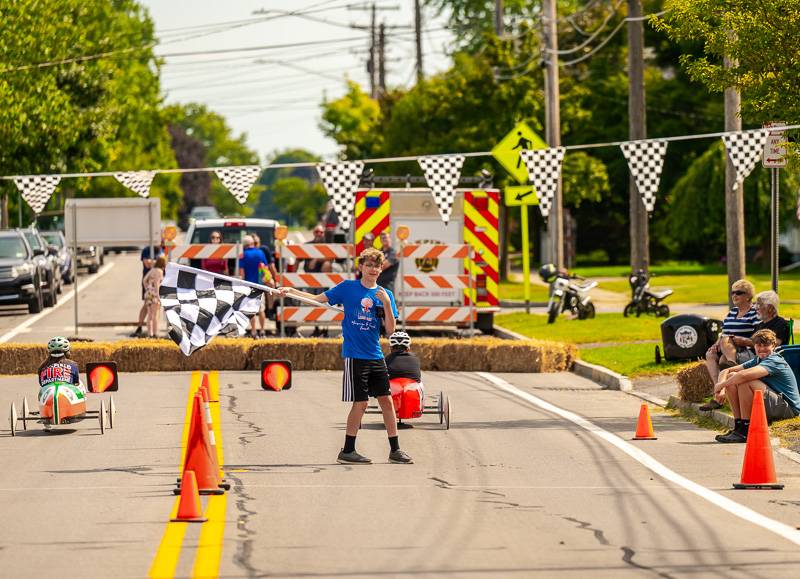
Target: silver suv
[[232, 229]]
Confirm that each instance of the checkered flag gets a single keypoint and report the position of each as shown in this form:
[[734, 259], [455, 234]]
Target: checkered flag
[[200, 305], [645, 161], [341, 182], [744, 148], [137, 181], [442, 174], [36, 191], [239, 180], [544, 171]]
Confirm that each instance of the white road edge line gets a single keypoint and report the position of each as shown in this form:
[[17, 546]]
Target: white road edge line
[[787, 532], [64, 299]]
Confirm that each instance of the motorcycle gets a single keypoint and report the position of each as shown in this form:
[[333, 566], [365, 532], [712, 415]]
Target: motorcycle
[[566, 294], [643, 299]]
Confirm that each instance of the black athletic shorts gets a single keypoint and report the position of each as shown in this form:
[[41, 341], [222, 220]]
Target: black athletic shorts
[[364, 378]]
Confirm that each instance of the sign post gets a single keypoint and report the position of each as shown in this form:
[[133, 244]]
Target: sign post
[[774, 158], [522, 197]]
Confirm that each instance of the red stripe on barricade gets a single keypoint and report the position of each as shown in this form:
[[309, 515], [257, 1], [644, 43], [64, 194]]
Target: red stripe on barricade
[[192, 251], [446, 314], [309, 280], [412, 281], [440, 281], [220, 252], [418, 314]]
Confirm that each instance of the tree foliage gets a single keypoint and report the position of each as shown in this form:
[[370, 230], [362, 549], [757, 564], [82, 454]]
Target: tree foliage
[[303, 201], [94, 114], [270, 206]]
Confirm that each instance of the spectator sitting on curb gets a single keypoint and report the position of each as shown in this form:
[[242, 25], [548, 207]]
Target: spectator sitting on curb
[[767, 306], [767, 372], [740, 323]]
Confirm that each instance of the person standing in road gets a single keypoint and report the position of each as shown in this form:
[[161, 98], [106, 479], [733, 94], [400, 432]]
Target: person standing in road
[[365, 372], [250, 264], [390, 263], [152, 283], [147, 264], [215, 265], [269, 277]]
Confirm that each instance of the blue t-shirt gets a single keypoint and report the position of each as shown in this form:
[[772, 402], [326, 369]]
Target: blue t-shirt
[[361, 328], [780, 378], [249, 262]]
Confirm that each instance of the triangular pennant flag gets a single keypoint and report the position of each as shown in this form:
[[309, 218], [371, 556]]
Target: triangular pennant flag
[[36, 190], [239, 180], [645, 161], [744, 148], [341, 182], [442, 175], [544, 170], [137, 181]]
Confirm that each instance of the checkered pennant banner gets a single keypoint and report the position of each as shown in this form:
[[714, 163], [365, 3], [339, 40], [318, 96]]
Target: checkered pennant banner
[[137, 181], [36, 191], [442, 175], [341, 182], [544, 171], [645, 161], [200, 305], [744, 149], [239, 180]]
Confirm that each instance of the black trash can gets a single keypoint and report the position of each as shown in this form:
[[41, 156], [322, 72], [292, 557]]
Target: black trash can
[[688, 336]]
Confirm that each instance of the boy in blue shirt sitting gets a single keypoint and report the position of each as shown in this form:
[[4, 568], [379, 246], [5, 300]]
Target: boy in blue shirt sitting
[[365, 372], [767, 372]]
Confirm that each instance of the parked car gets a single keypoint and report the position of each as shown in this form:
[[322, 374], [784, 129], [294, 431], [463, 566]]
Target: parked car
[[90, 257], [232, 229], [56, 239], [204, 212], [51, 284], [21, 274]]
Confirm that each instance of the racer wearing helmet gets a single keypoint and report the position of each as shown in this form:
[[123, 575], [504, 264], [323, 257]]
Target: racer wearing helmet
[[58, 367], [402, 362]]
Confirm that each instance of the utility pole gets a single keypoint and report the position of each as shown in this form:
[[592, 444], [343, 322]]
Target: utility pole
[[382, 60], [498, 17], [505, 264], [637, 130], [418, 34], [376, 58], [373, 89], [734, 203], [553, 126]]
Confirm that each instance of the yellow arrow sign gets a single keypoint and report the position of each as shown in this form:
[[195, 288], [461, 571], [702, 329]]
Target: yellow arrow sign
[[516, 195], [507, 150]]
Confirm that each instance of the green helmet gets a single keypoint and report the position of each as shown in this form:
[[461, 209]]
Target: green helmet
[[58, 346]]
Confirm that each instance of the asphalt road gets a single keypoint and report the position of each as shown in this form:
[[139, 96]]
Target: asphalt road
[[515, 488]]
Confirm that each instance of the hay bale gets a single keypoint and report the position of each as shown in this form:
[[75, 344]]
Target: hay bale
[[26, 358], [694, 383], [327, 355]]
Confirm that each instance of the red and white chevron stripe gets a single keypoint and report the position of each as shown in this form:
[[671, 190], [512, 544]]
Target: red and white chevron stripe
[[321, 250], [205, 251], [298, 315], [432, 281], [437, 315], [316, 280], [440, 251]]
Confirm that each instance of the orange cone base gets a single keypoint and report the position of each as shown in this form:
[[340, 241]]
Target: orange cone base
[[644, 438], [768, 486], [200, 520], [219, 491]]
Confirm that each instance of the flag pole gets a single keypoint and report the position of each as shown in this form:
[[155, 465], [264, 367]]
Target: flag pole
[[257, 286]]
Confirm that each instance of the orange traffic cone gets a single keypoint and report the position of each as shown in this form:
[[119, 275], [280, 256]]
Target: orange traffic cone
[[200, 456], [758, 469], [644, 427], [189, 508], [205, 383]]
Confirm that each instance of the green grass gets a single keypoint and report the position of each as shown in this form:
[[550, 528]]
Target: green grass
[[667, 268], [515, 291], [603, 328], [632, 360]]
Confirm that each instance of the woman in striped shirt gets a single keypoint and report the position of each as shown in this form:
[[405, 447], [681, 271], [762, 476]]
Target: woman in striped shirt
[[738, 326]]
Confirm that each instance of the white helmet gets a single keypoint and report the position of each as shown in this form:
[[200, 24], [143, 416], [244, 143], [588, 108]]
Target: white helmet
[[400, 339], [58, 346]]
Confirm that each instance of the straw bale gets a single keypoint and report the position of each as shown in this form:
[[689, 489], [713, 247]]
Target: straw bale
[[327, 355], [26, 358], [694, 383], [300, 352]]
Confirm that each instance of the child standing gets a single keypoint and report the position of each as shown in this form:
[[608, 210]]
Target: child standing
[[152, 283], [365, 372]]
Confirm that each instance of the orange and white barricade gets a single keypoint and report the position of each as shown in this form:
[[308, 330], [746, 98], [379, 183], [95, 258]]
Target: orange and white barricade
[[437, 315], [292, 316], [206, 251]]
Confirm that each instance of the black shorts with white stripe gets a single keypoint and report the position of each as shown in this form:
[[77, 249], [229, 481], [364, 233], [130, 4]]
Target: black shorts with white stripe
[[364, 378]]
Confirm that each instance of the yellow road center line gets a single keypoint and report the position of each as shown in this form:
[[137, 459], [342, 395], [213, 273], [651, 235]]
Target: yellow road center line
[[209, 548], [169, 551]]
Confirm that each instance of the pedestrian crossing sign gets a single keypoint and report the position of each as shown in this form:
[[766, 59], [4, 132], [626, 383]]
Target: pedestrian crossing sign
[[507, 150], [516, 195]]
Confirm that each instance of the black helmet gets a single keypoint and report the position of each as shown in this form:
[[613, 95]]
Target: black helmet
[[548, 272]]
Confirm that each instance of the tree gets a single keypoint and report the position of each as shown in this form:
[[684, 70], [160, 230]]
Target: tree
[[268, 205], [759, 37], [87, 115], [219, 147], [353, 121], [302, 200]]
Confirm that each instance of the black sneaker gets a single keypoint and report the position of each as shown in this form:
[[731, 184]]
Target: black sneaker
[[352, 458], [400, 457], [136, 333], [732, 437], [711, 405]]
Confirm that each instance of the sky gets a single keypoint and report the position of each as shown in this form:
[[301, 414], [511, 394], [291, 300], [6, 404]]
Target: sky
[[274, 94]]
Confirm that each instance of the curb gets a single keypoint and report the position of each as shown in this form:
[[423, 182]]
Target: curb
[[717, 416], [507, 334], [602, 375]]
